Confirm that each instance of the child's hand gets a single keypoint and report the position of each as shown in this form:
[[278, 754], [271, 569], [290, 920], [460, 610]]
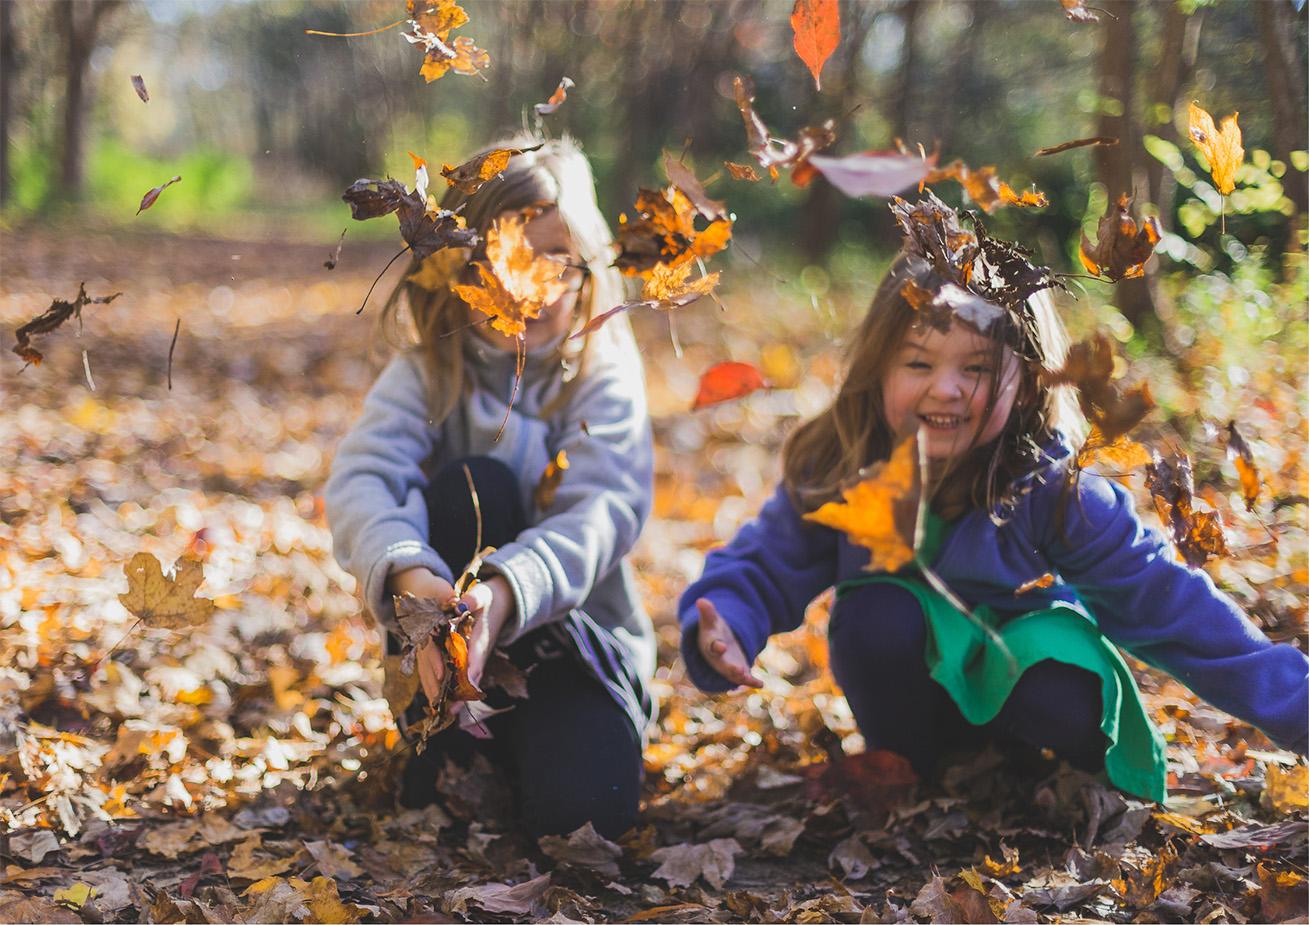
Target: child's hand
[[720, 649], [422, 582], [492, 602]]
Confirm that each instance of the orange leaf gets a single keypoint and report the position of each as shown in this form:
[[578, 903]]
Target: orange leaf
[[548, 486], [1221, 146], [742, 172], [817, 27], [879, 512], [473, 173], [1123, 246], [515, 284], [726, 381], [1041, 581], [985, 188], [556, 99], [1245, 465], [456, 648]]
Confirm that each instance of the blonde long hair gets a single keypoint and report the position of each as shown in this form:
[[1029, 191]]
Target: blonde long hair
[[556, 174], [826, 453]]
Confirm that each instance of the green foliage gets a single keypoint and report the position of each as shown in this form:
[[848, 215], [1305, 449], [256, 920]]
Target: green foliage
[[213, 183]]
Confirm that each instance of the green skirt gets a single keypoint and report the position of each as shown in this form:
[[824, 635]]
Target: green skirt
[[978, 675]]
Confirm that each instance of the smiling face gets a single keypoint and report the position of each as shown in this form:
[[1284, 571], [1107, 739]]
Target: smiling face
[[549, 237], [940, 382]]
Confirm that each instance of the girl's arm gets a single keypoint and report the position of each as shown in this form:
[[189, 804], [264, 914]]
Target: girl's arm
[[760, 584], [602, 501], [1172, 616], [374, 495]]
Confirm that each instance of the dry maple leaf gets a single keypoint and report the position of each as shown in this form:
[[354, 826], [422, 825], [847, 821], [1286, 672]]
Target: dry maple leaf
[[50, 319], [556, 99], [985, 188], [548, 485], [816, 25], [1089, 368], [1245, 465], [1123, 246], [1198, 535], [880, 512], [515, 283], [430, 25], [471, 175], [664, 231], [681, 177], [159, 601], [1121, 454], [425, 231], [725, 382], [1221, 146], [666, 288], [149, 198]]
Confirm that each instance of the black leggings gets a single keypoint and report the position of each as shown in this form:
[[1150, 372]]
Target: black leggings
[[570, 748]]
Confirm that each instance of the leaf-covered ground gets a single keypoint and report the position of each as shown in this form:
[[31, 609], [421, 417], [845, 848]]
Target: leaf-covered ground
[[241, 772]]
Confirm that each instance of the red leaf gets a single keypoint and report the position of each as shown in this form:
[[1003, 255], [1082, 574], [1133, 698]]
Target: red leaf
[[817, 26], [726, 381]]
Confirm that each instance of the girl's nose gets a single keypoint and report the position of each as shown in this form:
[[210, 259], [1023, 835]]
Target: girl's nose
[[945, 386]]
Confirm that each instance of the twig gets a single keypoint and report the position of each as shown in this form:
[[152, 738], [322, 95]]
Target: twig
[[379, 278], [86, 366], [176, 328]]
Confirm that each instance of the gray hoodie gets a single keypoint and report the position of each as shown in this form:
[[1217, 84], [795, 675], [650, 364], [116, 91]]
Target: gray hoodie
[[572, 554]]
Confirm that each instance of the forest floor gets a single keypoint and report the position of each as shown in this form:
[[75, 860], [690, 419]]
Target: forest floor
[[243, 772]]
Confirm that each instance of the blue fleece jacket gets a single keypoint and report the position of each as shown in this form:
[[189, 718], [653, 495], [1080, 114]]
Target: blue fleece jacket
[[1127, 576]]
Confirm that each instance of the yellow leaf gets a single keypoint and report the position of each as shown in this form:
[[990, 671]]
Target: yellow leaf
[[878, 513], [438, 18], [165, 602], [548, 486], [515, 283], [75, 895], [1121, 454], [1287, 789], [439, 267], [668, 283], [325, 903], [1221, 146]]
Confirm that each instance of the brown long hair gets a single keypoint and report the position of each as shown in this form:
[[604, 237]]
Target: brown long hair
[[437, 323], [825, 454]]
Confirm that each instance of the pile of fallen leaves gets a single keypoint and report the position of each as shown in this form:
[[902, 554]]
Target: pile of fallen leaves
[[240, 767]]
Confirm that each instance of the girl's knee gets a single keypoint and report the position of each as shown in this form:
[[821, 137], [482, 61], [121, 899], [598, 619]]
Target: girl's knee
[[879, 622]]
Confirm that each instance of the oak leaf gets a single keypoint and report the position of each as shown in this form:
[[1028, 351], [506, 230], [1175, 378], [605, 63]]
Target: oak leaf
[[548, 485], [149, 198], [159, 601], [556, 99], [1221, 146], [1123, 246], [880, 512], [817, 32], [515, 284], [725, 382]]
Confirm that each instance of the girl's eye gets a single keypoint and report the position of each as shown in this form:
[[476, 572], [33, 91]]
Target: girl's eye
[[918, 364], [978, 370]]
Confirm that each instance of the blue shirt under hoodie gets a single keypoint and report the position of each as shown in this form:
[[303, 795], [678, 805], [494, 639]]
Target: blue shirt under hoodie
[[1127, 576]]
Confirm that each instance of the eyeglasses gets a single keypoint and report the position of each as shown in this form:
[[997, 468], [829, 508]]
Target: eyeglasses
[[574, 277]]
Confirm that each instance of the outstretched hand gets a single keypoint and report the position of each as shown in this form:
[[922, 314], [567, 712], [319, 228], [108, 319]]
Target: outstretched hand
[[720, 649]]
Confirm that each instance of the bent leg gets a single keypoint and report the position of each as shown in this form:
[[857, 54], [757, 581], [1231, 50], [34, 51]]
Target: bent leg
[[1057, 706]]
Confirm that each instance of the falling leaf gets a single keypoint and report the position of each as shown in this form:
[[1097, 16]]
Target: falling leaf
[[58, 312], [725, 382], [1221, 146], [742, 172], [420, 176], [1077, 11], [880, 512], [149, 198], [430, 25], [774, 153], [666, 289], [985, 188], [663, 230], [331, 261], [167, 603], [548, 485], [682, 865], [471, 175], [1198, 535], [1121, 454], [556, 99], [874, 173], [1041, 581], [1089, 368], [424, 231], [515, 283], [1123, 246], [817, 28], [1100, 140], [1287, 789], [435, 271], [138, 84], [681, 177], [1245, 465]]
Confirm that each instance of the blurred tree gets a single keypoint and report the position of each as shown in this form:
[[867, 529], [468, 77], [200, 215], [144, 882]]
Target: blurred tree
[[1284, 71], [8, 75], [79, 23]]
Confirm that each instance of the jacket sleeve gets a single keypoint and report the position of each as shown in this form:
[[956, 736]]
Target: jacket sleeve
[[1172, 616], [761, 583], [374, 496], [603, 498]]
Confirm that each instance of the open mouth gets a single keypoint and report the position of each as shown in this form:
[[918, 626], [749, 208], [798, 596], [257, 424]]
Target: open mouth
[[944, 421]]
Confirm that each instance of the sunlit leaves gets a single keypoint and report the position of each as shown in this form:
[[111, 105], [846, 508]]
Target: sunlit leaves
[[514, 283], [668, 286], [1123, 246], [1220, 145], [773, 153], [430, 26], [985, 188], [880, 511], [816, 25], [1089, 368], [664, 227], [1246, 468], [165, 602]]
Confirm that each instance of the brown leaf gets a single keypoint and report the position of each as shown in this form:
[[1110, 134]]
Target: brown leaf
[[330, 262], [663, 230], [556, 99], [1041, 581], [774, 153], [1283, 894], [985, 188], [1245, 465], [502, 898], [1089, 368], [1098, 140], [471, 175], [817, 32], [681, 177], [548, 485], [398, 686], [742, 172], [332, 860], [424, 231], [456, 650], [584, 847], [725, 382], [503, 674], [1221, 146], [15, 907], [1198, 535], [935, 904], [58, 312], [1287, 790], [244, 865], [138, 84], [149, 198], [1123, 246], [682, 865], [1077, 11], [430, 25], [168, 603]]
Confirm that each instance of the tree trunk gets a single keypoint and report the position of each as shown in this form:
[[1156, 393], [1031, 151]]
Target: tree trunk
[[79, 21], [8, 73], [1176, 60], [1116, 163], [902, 90], [1282, 64]]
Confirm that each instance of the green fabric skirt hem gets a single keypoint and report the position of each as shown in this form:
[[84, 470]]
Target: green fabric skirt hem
[[979, 677]]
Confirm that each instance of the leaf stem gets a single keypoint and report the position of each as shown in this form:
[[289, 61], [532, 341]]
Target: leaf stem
[[360, 310], [356, 35]]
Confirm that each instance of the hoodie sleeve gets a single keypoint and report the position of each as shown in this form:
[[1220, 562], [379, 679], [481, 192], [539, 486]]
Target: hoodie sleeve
[[761, 583], [603, 498], [1172, 616], [374, 494]]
